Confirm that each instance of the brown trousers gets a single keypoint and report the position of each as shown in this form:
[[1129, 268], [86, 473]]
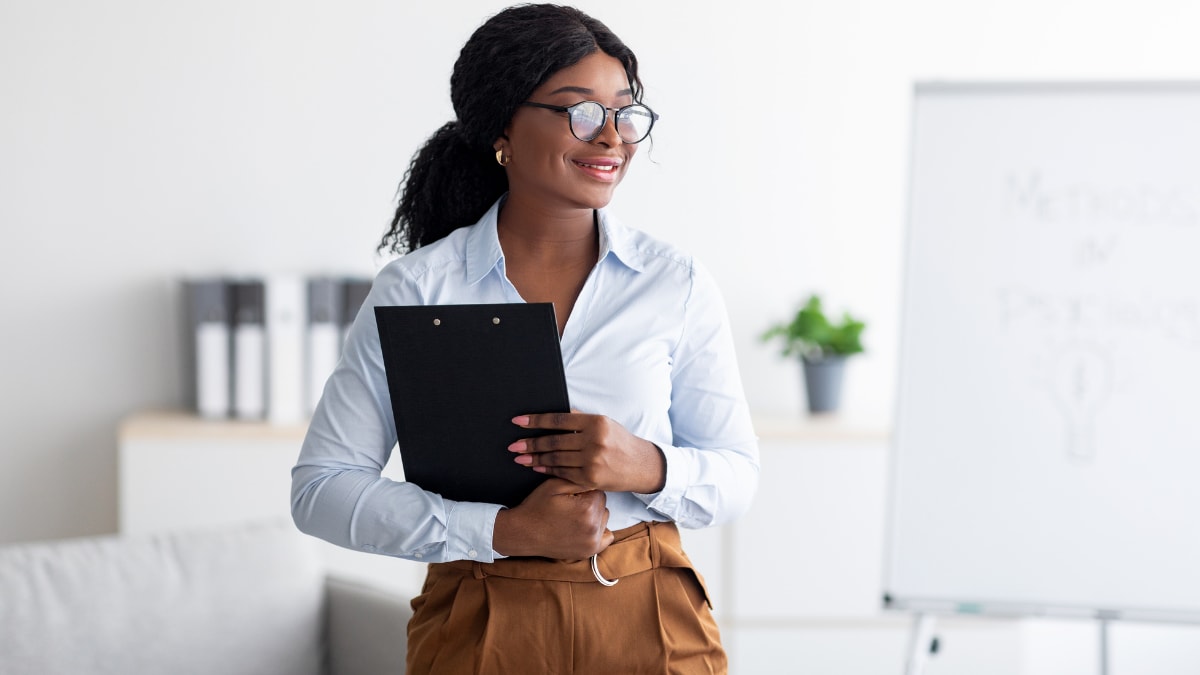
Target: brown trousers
[[533, 616]]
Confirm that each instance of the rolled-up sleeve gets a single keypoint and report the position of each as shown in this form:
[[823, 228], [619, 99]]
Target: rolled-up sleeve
[[712, 462]]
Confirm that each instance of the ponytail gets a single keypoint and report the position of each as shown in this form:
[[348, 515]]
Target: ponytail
[[448, 185]]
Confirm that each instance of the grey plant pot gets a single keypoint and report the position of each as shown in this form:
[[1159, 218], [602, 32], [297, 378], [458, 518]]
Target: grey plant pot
[[823, 382]]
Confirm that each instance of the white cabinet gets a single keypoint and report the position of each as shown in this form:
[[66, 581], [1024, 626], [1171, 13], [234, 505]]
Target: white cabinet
[[176, 470]]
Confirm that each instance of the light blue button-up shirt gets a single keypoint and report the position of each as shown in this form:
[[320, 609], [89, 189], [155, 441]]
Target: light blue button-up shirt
[[647, 344]]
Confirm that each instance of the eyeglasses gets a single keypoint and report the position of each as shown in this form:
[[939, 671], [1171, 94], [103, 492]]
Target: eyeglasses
[[587, 119]]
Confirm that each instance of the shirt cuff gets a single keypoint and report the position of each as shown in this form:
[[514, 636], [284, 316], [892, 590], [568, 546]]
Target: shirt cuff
[[667, 500], [469, 527]]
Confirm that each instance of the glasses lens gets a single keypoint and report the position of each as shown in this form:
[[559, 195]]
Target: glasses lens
[[586, 120], [634, 122]]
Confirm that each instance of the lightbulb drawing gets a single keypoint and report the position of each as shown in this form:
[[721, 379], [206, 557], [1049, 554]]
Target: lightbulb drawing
[[1081, 382]]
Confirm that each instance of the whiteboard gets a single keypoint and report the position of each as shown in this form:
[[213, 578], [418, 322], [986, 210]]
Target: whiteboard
[[1046, 455]]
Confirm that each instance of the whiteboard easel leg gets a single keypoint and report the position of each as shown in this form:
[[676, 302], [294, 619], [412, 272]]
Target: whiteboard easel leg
[[921, 644], [1104, 646]]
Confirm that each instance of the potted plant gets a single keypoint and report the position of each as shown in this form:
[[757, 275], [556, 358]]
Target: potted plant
[[822, 346]]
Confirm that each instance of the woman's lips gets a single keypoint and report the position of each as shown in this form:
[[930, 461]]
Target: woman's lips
[[600, 169]]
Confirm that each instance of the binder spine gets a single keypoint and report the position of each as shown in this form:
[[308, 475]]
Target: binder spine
[[286, 312], [353, 297], [208, 326], [249, 350], [325, 296]]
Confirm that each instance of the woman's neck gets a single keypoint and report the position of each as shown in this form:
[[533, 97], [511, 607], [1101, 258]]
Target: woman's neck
[[554, 238], [548, 255]]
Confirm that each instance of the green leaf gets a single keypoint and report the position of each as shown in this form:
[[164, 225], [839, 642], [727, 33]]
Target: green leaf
[[812, 335]]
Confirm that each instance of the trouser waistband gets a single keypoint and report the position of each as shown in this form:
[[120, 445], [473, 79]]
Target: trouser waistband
[[634, 549]]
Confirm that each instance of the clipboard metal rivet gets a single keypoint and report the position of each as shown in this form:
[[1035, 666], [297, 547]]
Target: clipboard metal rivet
[[437, 322], [495, 319]]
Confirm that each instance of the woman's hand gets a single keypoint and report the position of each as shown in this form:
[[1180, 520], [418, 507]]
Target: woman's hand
[[600, 454], [557, 520]]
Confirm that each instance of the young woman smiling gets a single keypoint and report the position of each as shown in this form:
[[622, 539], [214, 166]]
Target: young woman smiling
[[507, 203]]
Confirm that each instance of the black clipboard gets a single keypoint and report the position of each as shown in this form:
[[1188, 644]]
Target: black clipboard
[[457, 375]]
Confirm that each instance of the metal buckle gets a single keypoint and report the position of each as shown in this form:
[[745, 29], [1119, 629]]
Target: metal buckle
[[599, 577]]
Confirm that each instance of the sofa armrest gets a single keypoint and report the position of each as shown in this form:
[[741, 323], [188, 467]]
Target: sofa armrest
[[367, 628]]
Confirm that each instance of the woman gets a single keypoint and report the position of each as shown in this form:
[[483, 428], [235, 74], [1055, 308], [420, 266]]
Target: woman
[[506, 204]]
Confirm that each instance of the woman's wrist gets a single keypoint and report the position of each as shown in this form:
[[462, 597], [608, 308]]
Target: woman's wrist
[[655, 471], [507, 536]]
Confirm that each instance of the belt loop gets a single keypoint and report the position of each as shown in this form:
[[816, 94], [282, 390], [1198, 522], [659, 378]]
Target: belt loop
[[655, 551], [477, 570]]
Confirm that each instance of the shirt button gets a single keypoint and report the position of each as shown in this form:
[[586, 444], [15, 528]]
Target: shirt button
[[418, 555], [472, 553]]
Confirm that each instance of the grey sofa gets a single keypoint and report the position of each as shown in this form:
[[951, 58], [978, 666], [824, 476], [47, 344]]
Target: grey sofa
[[249, 599]]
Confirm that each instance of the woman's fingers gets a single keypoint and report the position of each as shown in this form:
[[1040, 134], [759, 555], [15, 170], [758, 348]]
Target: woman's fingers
[[572, 421], [600, 453]]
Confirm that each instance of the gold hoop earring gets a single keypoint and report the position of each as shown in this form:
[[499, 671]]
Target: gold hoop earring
[[501, 159]]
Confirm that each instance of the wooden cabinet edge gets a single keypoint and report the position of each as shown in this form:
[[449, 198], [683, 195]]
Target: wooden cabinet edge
[[182, 425], [782, 428]]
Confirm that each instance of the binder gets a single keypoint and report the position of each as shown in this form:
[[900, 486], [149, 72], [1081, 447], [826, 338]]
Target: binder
[[286, 323], [354, 294], [208, 344], [324, 334], [249, 350], [457, 375]]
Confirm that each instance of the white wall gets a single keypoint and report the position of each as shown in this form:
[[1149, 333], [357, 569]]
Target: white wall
[[141, 141]]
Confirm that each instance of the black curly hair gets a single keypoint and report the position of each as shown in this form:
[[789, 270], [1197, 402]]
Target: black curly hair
[[454, 178]]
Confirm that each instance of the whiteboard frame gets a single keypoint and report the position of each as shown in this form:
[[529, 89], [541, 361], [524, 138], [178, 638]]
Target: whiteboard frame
[[992, 607]]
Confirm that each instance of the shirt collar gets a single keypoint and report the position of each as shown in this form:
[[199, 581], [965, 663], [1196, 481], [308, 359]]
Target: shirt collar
[[615, 239], [483, 245], [484, 253]]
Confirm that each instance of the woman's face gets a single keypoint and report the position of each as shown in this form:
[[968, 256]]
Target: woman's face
[[547, 162]]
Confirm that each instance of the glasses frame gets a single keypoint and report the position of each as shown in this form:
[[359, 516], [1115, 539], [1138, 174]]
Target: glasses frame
[[600, 129]]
